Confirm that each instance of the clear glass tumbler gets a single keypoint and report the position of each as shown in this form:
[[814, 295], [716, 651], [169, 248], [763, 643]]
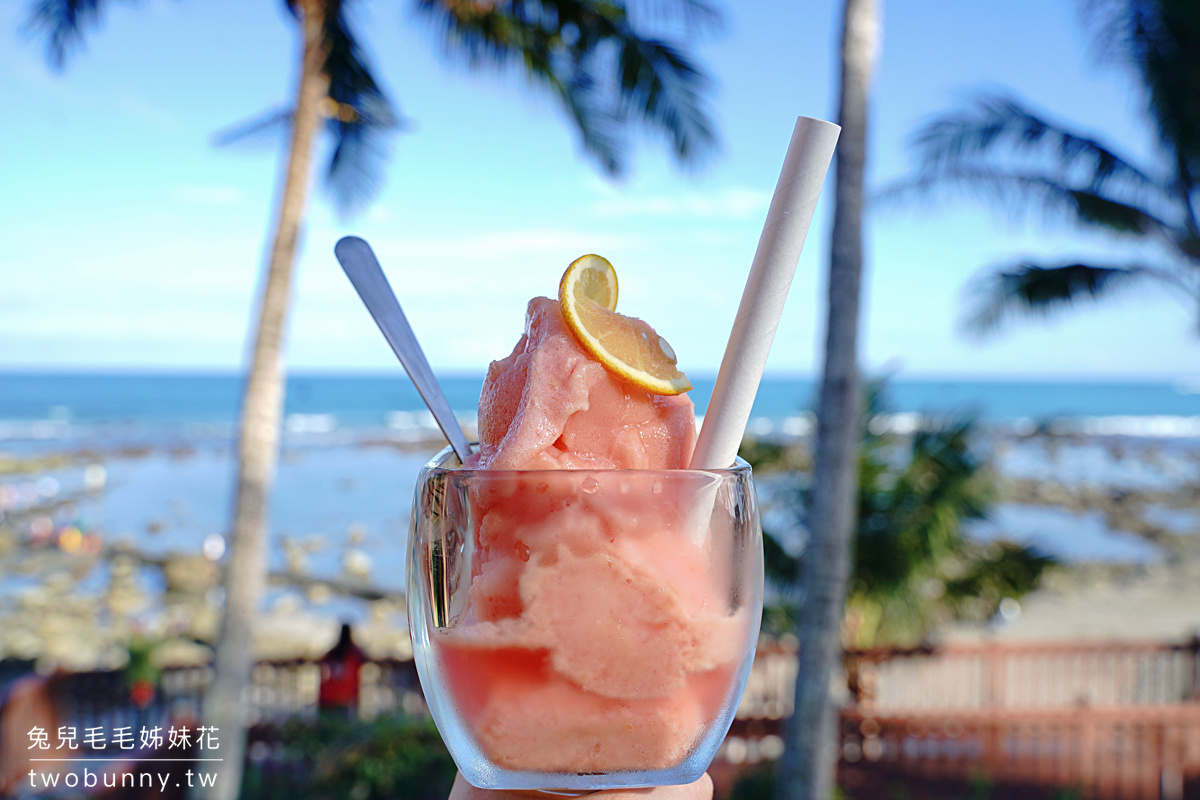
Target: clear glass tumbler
[[583, 629]]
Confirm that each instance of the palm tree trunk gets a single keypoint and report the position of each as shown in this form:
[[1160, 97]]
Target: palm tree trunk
[[806, 771], [262, 407]]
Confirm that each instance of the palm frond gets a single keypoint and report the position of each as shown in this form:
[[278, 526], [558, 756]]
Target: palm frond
[[360, 117], [1020, 194], [1032, 289], [693, 16], [1188, 243], [940, 489], [1160, 41], [547, 46], [1003, 569], [587, 53], [999, 127], [64, 23], [269, 128], [913, 564], [910, 515], [663, 88], [1093, 208], [599, 131]]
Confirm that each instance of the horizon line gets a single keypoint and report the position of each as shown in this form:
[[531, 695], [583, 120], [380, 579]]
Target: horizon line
[[892, 375]]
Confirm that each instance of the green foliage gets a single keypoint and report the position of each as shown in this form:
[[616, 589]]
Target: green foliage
[[767, 457], [999, 149], [1000, 570], [982, 787], [913, 566], [758, 783], [776, 460], [754, 784], [603, 69], [141, 665], [334, 758], [781, 566], [1029, 288], [609, 73], [361, 118], [909, 531]]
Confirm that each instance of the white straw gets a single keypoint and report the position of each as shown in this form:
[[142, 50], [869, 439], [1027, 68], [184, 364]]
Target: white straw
[[779, 247]]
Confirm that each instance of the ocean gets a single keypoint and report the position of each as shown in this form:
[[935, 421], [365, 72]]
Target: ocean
[[39, 409], [162, 444]]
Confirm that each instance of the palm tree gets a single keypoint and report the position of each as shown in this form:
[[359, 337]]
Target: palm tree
[[998, 148], [806, 771], [912, 566], [588, 53]]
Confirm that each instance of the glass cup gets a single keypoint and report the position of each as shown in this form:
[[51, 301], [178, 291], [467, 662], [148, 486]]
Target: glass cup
[[583, 629]]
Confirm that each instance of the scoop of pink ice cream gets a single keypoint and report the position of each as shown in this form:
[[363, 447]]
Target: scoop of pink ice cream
[[550, 405]]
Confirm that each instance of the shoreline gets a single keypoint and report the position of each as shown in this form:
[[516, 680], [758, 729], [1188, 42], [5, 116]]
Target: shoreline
[[133, 563]]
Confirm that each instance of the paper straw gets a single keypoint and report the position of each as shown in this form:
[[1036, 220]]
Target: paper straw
[[779, 246]]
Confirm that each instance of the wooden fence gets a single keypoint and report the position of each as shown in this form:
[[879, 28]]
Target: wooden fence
[[280, 690], [1029, 675], [1137, 752], [1105, 721], [1100, 720]]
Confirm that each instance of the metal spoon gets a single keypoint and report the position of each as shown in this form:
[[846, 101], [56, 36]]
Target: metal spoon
[[363, 270]]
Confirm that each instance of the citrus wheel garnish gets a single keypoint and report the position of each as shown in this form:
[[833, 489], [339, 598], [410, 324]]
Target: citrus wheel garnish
[[627, 347], [594, 278]]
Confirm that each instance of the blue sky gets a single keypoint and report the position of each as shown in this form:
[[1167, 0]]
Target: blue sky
[[130, 241]]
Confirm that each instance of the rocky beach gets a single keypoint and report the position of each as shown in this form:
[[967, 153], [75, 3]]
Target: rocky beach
[[99, 550]]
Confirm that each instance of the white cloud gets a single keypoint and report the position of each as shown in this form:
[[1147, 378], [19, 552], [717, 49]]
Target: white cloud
[[209, 195], [732, 202], [492, 245]]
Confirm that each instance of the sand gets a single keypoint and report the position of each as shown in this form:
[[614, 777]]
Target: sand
[[1158, 602]]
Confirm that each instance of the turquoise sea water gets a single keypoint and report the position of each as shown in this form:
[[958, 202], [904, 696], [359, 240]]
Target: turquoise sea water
[[47, 406]]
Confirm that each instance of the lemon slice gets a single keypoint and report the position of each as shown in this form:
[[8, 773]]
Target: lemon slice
[[594, 278], [627, 347]]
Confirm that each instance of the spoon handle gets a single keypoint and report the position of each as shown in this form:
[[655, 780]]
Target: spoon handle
[[363, 270]]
